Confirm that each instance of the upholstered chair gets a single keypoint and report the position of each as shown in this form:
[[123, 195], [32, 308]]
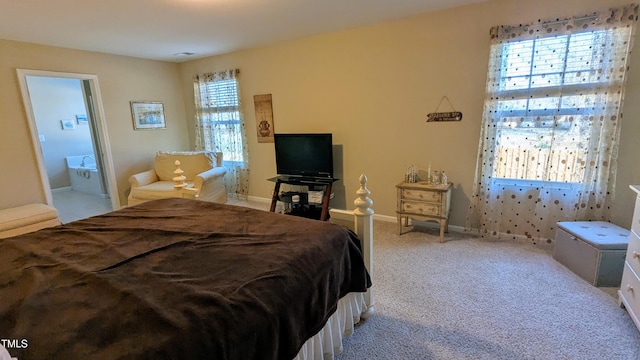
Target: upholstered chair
[[201, 173]]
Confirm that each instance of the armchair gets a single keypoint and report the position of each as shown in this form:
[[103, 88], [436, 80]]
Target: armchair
[[203, 171]]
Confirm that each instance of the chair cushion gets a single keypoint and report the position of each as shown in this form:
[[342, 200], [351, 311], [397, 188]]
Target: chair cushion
[[157, 190], [192, 163]]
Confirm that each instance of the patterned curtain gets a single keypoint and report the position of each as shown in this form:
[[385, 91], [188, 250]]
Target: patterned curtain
[[551, 123], [220, 125]]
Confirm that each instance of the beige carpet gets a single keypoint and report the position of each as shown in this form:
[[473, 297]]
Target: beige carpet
[[469, 298]]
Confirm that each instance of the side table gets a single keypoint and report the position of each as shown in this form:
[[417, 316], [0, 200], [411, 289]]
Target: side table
[[424, 202]]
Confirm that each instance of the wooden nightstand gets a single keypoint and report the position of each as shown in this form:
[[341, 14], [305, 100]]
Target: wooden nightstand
[[423, 202]]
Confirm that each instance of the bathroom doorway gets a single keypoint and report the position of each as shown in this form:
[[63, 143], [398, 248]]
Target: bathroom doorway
[[69, 139]]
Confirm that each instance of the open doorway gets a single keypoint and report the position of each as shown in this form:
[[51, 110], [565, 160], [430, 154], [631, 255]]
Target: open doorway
[[70, 142]]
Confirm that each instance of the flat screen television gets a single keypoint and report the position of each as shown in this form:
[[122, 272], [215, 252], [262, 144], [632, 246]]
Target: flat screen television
[[305, 155]]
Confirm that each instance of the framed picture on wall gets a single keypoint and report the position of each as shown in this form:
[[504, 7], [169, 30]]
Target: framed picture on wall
[[81, 119], [67, 124], [264, 117], [148, 115]]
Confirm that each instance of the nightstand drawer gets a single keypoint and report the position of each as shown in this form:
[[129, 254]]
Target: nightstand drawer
[[422, 195], [630, 291], [630, 287], [633, 252], [419, 208]]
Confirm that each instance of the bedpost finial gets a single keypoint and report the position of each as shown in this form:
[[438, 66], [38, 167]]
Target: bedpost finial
[[363, 180], [363, 203]]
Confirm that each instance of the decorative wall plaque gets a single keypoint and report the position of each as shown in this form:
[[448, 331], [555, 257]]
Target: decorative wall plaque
[[264, 117], [444, 116]]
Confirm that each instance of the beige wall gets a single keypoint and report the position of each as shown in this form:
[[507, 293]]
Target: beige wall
[[121, 80], [373, 87]]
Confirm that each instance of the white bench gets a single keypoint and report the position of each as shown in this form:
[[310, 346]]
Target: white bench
[[27, 218]]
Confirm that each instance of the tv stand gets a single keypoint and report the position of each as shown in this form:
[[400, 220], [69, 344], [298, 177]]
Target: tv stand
[[326, 183]]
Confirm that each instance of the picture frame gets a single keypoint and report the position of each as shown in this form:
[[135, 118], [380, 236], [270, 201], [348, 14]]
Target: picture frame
[[67, 124], [264, 117], [81, 119], [148, 115]]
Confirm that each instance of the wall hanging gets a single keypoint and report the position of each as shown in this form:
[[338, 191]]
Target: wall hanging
[[444, 116], [81, 119], [148, 115], [67, 124], [264, 117]]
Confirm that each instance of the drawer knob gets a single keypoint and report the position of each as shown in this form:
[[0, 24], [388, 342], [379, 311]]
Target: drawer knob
[[635, 255], [629, 288]]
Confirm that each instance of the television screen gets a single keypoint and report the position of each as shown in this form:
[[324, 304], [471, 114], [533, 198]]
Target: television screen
[[309, 155]]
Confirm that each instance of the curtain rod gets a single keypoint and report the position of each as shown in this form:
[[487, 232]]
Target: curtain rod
[[557, 21]]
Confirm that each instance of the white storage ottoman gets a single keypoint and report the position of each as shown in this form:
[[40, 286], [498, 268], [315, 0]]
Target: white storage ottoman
[[594, 250]]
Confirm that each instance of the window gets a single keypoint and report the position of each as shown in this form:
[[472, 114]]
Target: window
[[551, 123], [546, 93], [221, 109], [219, 125]]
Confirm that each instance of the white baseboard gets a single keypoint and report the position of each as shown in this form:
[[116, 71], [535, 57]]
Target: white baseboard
[[385, 218], [259, 199], [61, 189], [435, 225]]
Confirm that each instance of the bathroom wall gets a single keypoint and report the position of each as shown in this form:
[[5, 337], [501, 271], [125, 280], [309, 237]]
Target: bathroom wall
[[55, 100]]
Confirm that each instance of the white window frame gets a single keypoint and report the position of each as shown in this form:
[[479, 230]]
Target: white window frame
[[230, 111], [531, 119]]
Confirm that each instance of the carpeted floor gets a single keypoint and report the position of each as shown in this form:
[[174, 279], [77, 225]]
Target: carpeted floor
[[470, 298]]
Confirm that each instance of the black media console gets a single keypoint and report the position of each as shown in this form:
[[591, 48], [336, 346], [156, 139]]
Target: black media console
[[304, 209]]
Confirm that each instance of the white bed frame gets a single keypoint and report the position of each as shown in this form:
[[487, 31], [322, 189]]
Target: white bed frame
[[354, 306]]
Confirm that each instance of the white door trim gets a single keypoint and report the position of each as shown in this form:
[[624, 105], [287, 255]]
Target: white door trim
[[100, 121]]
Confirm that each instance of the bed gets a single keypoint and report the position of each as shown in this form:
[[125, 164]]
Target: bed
[[186, 279]]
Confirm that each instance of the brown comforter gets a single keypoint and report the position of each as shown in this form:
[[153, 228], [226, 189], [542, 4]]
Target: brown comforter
[[175, 278]]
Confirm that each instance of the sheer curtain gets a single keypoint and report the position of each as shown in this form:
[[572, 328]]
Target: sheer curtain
[[551, 123], [220, 126]]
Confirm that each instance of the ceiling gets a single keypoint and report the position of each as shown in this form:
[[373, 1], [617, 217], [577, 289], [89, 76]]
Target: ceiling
[[160, 29]]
